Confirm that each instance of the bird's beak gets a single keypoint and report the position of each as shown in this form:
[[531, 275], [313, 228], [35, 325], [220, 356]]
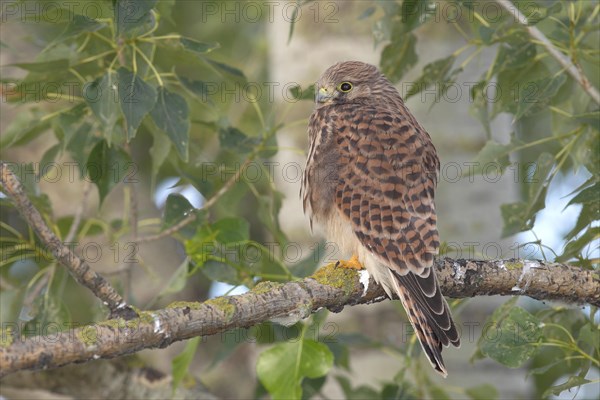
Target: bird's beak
[[324, 95]]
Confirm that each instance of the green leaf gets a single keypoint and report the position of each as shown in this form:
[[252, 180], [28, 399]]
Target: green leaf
[[536, 95], [538, 184], [67, 124], [80, 24], [586, 196], [80, 145], [414, 13], [218, 249], [200, 247], [514, 218], [45, 66], [540, 11], [137, 99], [107, 167], [165, 8], [510, 336], [181, 363], [197, 88], [303, 94], [197, 47], [312, 387], [520, 216], [178, 279], [575, 247], [486, 34], [177, 208], [480, 106], [398, 57], [367, 13], [161, 146], [46, 164], [592, 119], [588, 152], [261, 260], [221, 272], [437, 72], [282, 368], [227, 69], [491, 153], [268, 210], [131, 15], [24, 127], [438, 393], [358, 393], [517, 51], [572, 382], [294, 19], [235, 140], [232, 230], [589, 212], [171, 114], [103, 98], [309, 264], [587, 339], [480, 392]]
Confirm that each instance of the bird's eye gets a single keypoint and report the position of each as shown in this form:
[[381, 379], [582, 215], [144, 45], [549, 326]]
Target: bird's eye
[[345, 87]]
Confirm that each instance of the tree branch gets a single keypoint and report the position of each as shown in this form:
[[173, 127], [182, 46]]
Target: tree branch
[[330, 287], [567, 64], [78, 268]]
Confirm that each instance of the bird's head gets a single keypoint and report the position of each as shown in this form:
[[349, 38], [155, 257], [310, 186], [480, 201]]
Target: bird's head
[[348, 82]]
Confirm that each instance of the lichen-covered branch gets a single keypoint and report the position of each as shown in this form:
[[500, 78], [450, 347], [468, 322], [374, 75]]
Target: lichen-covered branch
[[331, 287], [78, 268]]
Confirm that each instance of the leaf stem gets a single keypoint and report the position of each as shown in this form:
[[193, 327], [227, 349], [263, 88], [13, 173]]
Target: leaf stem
[[154, 71]]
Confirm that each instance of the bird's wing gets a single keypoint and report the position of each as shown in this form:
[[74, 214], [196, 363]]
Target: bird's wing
[[388, 171]]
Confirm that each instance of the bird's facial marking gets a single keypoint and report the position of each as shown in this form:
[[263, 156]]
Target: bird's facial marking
[[340, 91]]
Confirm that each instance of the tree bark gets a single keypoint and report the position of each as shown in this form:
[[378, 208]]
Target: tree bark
[[330, 287], [79, 269]]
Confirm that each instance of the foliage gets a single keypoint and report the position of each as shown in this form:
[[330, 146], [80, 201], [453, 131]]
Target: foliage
[[144, 86]]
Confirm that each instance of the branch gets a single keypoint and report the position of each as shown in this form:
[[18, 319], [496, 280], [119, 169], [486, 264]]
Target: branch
[[78, 268], [330, 287], [120, 379], [192, 217], [567, 64]]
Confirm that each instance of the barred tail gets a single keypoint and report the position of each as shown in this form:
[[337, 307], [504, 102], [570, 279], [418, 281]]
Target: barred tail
[[428, 313]]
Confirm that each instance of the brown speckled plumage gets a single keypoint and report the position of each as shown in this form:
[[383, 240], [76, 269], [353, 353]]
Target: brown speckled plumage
[[370, 180]]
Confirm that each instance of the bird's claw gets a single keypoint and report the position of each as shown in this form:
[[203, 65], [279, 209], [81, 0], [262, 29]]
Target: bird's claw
[[352, 263]]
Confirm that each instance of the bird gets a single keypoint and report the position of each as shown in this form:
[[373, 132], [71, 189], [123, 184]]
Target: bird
[[369, 182]]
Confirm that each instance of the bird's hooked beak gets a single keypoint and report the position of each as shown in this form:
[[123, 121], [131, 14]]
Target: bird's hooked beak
[[325, 94]]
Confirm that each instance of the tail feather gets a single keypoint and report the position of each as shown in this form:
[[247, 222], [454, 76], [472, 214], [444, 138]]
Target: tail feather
[[429, 316]]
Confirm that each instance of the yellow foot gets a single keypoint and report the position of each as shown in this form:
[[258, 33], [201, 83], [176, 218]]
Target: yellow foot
[[352, 263]]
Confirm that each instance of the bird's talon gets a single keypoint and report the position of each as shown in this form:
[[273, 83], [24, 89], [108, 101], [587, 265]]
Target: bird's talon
[[352, 263]]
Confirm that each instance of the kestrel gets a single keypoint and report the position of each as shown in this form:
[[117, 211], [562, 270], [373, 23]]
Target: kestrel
[[369, 182]]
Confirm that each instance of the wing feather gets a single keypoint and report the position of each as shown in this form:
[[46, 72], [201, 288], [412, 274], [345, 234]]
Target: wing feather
[[387, 175]]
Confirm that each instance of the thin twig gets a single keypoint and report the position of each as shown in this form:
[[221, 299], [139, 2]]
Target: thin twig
[[210, 202], [168, 232], [192, 217], [563, 60], [133, 222], [43, 282], [78, 268]]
